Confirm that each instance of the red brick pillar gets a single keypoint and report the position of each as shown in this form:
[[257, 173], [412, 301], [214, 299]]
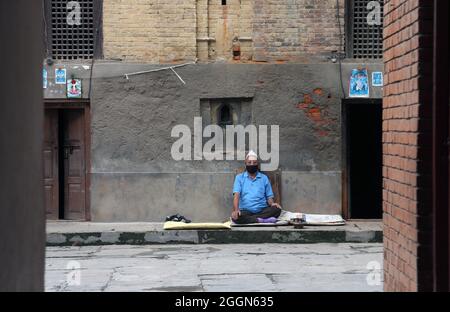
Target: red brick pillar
[[407, 137]]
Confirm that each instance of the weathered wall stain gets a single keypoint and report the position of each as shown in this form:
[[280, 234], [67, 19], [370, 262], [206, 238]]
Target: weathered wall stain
[[318, 91]]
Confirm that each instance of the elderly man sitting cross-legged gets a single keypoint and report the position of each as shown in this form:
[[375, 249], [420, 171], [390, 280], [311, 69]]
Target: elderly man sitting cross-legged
[[253, 195]]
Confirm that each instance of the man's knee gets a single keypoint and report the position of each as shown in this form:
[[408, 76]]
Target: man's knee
[[240, 220], [274, 211], [245, 218]]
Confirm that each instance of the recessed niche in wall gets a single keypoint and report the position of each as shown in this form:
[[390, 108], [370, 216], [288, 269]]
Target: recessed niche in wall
[[226, 111]]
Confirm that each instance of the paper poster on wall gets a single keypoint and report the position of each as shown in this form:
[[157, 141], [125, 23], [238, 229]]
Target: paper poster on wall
[[74, 88], [377, 79], [359, 83], [44, 78], [60, 75]]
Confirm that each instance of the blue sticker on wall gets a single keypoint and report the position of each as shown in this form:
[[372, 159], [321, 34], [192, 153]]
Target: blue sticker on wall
[[359, 83], [377, 79], [60, 76], [44, 78]]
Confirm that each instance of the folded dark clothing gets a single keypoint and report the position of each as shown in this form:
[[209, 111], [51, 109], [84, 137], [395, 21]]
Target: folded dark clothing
[[178, 218]]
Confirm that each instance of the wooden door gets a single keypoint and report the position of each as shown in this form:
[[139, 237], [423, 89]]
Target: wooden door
[[74, 165], [50, 158]]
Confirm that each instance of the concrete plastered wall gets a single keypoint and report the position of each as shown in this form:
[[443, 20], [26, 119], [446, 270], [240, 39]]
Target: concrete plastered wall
[[134, 177]]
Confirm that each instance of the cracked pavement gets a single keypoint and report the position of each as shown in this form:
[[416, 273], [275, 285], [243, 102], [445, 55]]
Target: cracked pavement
[[228, 267]]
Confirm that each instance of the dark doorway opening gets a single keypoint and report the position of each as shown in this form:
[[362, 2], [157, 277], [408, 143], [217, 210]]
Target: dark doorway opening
[[362, 141], [66, 150]]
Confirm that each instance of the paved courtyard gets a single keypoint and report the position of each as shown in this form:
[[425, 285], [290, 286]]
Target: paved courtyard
[[228, 267]]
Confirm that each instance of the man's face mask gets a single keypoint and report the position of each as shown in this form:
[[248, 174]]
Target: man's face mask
[[251, 168]]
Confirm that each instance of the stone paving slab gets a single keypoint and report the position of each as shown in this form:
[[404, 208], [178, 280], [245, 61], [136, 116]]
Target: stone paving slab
[[225, 267], [69, 233]]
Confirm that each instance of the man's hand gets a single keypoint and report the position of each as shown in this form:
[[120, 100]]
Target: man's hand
[[276, 205], [235, 214], [273, 204]]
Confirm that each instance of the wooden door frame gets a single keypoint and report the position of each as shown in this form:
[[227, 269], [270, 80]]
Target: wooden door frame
[[51, 121], [345, 161], [84, 105]]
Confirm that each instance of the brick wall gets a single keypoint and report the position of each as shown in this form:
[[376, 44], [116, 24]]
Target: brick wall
[[296, 29], [155, 31], [159, 31], [407, 145], [222, 24]]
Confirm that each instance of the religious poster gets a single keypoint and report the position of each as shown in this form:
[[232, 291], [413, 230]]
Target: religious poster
[[359, 83], [60, 76], [74, 88]]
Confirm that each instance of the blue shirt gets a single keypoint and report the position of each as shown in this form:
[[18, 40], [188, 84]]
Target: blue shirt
[[254, 193]]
